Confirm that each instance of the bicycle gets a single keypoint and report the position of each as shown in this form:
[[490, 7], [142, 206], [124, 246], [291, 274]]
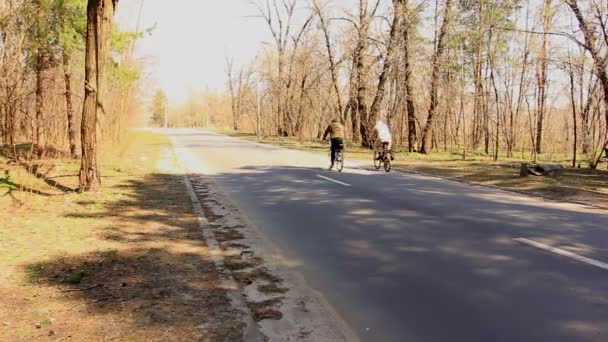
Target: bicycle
[[338, 158], [382, 158]]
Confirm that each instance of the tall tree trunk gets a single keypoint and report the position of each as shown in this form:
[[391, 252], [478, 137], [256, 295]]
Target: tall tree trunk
[[436, 65], [299, 125], [99, 24], [89, 175], [233, 105], [541, 77], [281, 129], [362, 109], [40, 94], [463, 84], [68, 106], [412, 139], [496, 98], [574, 115], [585, 110], [479, 113], [355, 119], [239, 102], [352, 105], [9, 124], [486, 116]]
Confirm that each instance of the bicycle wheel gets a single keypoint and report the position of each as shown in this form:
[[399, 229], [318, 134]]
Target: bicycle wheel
[[339, 161], [387, 164], [377, 160]]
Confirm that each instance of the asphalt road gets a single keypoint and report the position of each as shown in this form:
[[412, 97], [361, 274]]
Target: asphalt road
[[406, 257]]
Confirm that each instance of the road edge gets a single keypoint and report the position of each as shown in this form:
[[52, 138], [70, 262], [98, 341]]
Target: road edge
[[251, 331]]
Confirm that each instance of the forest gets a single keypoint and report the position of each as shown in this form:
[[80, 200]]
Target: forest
[[500, 78], [507, 78], [51, 52]]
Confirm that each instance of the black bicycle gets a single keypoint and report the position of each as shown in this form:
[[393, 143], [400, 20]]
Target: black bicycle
[[382, 157], [338, 158]]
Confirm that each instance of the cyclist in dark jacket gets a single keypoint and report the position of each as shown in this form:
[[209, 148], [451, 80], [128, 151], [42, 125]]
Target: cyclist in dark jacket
[[335, 130]]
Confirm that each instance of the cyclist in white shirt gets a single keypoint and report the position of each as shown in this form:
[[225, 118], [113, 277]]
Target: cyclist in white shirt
[[382, 135]]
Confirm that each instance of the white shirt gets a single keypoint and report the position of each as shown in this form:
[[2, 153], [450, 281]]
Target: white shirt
[[384, 133]]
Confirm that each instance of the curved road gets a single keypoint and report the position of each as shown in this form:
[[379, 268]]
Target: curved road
[[406, 257]]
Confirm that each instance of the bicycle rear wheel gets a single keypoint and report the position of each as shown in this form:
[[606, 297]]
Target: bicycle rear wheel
[[339, 161], [377, 160], [387, 164]]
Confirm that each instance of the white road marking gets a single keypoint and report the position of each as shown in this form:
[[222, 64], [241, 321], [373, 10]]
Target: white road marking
[[559, 251], [333, 180]]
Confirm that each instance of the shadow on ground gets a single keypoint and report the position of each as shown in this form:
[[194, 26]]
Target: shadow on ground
[[18, 160], [158, 283]]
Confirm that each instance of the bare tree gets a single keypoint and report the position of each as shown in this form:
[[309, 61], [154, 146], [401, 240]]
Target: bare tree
[[570, 69], [541, 74], [600, 59], [363, 25], [280, 28], [479, 107], [233, 93], [333, 65], [436, 66], [408, 27]]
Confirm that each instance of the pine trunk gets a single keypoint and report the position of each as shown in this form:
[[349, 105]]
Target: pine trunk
[[69, 106], [40, 93], [99, 25]]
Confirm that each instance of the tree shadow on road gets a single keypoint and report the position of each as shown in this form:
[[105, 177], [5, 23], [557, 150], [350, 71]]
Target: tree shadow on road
[[429, 251]]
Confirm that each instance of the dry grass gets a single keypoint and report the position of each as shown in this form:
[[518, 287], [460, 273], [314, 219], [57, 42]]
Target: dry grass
[[576, 185], [126, 264]]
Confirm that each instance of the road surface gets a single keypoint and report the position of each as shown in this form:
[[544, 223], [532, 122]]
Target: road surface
[[406, 257]]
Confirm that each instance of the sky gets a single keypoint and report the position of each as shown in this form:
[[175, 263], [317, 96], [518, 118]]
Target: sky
[[192, 39], [188, 48]]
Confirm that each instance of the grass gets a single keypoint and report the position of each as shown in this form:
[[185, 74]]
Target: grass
[[573, 184], [128, 263], [75, 278]]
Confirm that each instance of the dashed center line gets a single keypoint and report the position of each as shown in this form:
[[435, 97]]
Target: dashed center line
[[333, 180], [562, 252]]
